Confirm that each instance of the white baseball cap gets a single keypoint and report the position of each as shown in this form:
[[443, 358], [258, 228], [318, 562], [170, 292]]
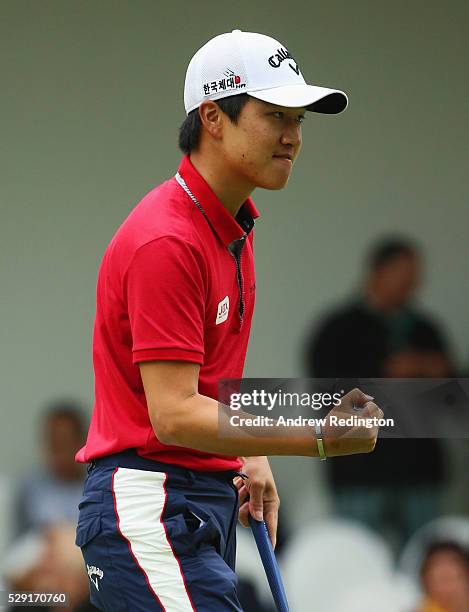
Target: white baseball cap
[[245, 62]]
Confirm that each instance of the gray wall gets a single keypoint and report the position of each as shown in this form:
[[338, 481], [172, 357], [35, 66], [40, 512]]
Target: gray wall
[[90, 108]]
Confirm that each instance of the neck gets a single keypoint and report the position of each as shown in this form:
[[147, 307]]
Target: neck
[[225, 184]]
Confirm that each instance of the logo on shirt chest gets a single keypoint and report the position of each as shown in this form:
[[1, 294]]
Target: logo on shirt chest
[[223, 310]]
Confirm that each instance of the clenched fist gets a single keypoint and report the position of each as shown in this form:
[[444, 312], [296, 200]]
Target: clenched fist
[[350, 427]]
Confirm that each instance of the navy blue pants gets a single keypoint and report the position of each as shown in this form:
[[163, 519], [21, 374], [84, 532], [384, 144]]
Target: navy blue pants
[[156, 536]]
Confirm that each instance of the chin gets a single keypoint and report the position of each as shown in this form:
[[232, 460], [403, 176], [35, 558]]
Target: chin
[[274, 183]]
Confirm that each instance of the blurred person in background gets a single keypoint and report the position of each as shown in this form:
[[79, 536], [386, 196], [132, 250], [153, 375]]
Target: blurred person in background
[[43, 557], [445, 578], [380, 333], [50, 495], [47, 561], [389, 336]]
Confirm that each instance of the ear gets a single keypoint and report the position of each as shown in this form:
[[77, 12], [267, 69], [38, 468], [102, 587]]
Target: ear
[[211, 118]]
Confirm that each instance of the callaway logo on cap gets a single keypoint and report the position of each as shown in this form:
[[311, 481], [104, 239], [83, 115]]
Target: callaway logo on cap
[[245, 62]]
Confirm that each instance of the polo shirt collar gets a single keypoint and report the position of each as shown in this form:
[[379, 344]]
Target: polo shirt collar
[[227, 227]]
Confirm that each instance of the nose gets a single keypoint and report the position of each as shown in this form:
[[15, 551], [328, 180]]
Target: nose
[[291, 135]]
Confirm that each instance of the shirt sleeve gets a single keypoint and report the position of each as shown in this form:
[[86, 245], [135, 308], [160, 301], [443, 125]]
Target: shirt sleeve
[[165, 292]]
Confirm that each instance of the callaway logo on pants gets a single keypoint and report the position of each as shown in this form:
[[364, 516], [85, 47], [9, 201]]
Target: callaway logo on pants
[[156, 536]]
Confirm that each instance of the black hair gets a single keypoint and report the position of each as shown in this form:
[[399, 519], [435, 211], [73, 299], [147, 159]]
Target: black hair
[[66, 409], [190, 130], [388, 249], [441, 547]]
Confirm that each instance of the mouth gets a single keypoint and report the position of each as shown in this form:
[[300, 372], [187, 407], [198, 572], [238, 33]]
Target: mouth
[[286, 159]]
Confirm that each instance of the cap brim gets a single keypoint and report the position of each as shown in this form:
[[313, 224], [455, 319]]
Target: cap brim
[[313, 98]]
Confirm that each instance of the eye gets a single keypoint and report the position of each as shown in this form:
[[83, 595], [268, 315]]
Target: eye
[[281, 114]]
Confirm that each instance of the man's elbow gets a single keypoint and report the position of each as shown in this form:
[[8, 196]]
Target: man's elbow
[[170, 416], [165, 430], [169, 422]]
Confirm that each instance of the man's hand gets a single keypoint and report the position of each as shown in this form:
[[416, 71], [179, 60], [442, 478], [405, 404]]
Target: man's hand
[[346, 439], [263, 500]]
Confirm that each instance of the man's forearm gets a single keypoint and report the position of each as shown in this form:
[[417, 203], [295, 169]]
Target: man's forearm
[[198, 421]]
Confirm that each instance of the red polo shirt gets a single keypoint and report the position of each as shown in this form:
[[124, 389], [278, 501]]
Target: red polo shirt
[[176, 282]]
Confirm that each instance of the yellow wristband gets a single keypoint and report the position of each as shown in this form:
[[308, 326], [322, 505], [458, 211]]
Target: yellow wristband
[[320, 442]]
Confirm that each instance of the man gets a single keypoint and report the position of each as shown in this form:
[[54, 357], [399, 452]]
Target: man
[[43, 556], [174, 306], [49, 495], [444, 575], [386, 334], [382, 334]]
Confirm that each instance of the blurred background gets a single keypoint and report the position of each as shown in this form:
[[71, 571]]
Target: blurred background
[[372, 224]]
